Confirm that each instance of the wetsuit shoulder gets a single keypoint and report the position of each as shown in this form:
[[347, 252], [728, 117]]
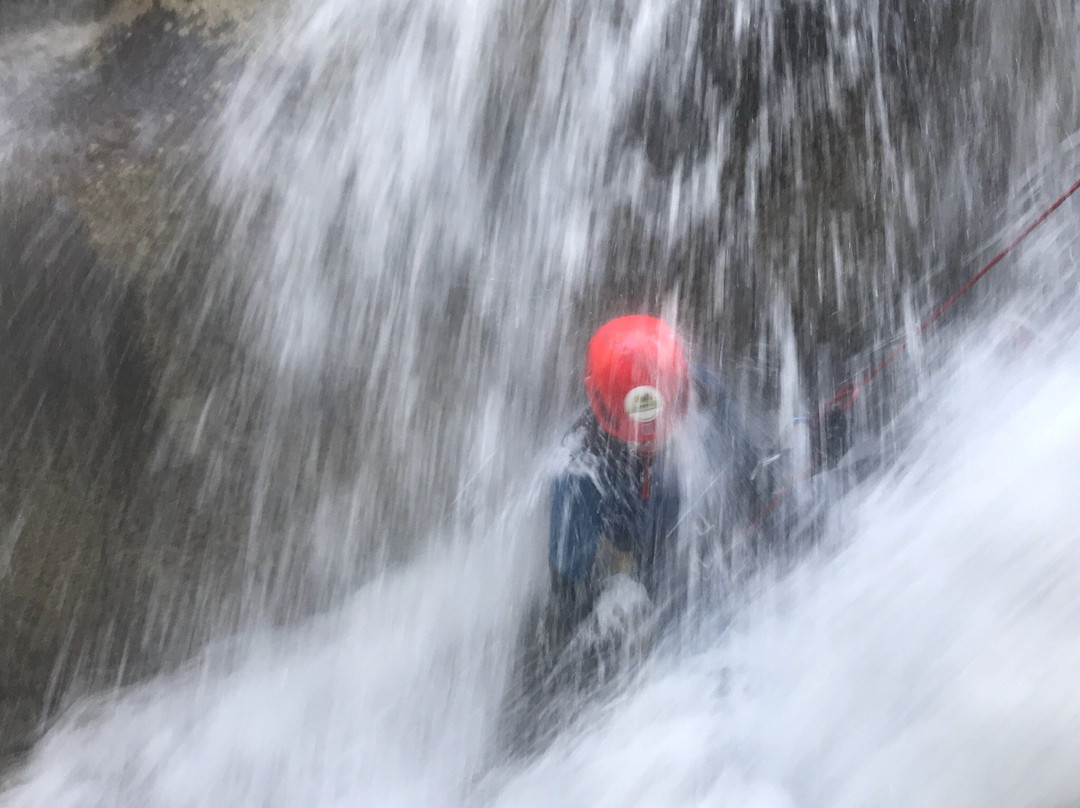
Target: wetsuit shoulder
[[577, 503]]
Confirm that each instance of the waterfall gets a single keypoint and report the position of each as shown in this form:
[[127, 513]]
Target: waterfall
[[361, 278]]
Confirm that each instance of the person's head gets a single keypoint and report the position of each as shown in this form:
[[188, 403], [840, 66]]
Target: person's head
[[637, 379]]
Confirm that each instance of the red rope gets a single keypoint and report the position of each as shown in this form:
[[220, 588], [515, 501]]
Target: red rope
[[847, 394]]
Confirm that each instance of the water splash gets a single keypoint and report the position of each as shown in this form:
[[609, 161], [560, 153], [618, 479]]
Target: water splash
[[927, 663]]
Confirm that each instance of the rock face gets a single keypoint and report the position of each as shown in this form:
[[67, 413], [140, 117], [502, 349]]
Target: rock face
[[92, 522]]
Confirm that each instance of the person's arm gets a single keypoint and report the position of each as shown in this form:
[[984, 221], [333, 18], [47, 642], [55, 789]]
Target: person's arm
[[731, 442], [830, 429], [576, 525]]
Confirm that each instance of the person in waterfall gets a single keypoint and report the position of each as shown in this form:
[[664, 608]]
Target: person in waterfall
[[616, 505]]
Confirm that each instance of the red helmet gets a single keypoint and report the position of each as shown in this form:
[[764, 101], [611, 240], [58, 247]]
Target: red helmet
[[637, 378]]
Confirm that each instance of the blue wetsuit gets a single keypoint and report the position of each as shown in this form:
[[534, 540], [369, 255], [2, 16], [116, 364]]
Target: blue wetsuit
[[609, 491]]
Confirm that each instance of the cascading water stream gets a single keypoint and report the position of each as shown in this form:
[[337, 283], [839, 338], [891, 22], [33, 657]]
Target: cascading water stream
[[419, 212]]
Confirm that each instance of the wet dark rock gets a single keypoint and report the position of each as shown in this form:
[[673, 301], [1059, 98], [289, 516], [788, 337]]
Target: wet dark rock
[[93, 526], [76, 425]]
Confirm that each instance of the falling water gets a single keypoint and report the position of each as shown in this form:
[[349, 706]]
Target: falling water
[[401, 226]]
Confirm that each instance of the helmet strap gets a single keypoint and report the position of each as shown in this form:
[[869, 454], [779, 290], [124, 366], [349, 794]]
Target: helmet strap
[[646, 453]]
